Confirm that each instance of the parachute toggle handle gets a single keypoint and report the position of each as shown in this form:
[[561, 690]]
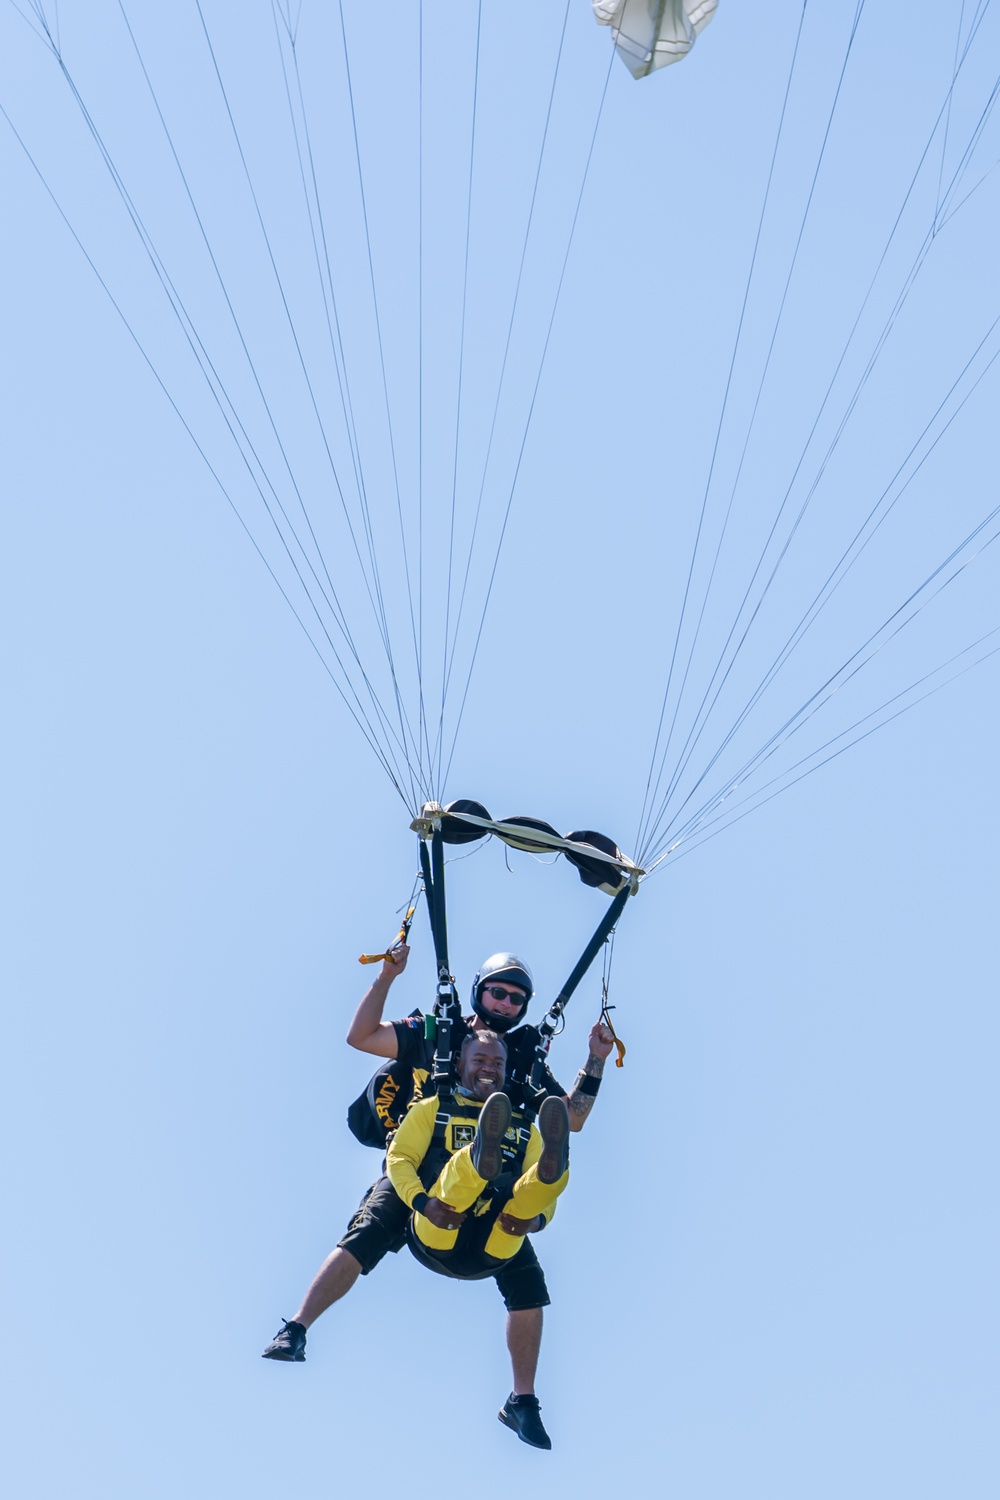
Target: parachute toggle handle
[[605, 1019], [400, 939]]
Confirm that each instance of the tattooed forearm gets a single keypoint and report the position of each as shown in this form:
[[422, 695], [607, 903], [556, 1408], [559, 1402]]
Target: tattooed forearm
[[580, 1105], [584, 1091]]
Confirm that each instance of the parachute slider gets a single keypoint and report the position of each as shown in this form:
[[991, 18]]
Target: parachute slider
[[597, 858], [429, 821], [389, 954]]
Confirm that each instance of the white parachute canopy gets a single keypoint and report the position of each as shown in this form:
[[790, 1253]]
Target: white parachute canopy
[[649, 34]]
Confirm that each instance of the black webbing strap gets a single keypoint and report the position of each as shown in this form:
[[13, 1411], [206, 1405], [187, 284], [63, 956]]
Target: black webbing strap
[[437, 1152], [446, 1007], [548, 1026]]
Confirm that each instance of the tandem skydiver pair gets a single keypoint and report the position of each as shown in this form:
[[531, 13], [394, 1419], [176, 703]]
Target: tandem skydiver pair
[[468, 1178]]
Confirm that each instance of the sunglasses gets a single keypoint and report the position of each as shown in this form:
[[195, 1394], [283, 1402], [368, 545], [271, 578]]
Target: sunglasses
[[497, 992]]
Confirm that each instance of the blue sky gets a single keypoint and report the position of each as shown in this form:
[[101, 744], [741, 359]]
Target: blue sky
[[774, 1272]]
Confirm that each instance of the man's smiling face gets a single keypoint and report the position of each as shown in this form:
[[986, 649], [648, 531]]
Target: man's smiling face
[[481, 1066]]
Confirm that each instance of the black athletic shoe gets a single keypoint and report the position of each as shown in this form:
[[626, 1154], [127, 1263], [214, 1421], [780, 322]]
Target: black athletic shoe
[[553, 1127], [494, 1122], [289, 1344], [522, 1415]]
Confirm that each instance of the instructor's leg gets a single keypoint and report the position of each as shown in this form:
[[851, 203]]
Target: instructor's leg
[[333, 1280], [375, 1228]]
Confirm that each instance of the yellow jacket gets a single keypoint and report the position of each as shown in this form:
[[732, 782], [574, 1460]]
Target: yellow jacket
[[412, 1141]]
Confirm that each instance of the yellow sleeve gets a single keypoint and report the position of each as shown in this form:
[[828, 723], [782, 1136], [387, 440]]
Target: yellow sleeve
[[409, 1147]]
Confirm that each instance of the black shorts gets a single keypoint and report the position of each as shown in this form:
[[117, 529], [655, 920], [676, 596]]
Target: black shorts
[[522, 1281], [378, 1226]]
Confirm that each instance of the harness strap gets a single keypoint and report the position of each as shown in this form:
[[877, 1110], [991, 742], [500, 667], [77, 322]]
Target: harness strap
[[446, 1007], [437, 1152]]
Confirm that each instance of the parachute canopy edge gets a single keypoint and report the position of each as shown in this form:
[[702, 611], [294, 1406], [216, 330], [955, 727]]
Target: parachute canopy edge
[[598, 860]]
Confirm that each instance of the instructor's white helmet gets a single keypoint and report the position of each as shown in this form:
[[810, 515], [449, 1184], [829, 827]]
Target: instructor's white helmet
[[508, 969]]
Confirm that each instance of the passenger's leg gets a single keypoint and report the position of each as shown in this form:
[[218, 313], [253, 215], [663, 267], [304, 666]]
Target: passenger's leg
[[529, 1198], [522, 1285], [458, 1185], [524, 1340]]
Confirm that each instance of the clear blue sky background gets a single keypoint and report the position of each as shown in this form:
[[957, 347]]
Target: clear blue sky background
[[775, 1272]]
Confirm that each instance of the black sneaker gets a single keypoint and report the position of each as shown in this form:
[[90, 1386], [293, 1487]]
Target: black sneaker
[[494, 1122], [553, 1127], [289, 1344], [522, 1415]]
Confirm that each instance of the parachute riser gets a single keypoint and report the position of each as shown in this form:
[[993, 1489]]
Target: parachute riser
[[553, 1017], [447, 1009]]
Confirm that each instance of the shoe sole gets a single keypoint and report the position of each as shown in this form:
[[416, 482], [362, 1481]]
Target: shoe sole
[[494, 1122], [553, 1127], [285, 1359]]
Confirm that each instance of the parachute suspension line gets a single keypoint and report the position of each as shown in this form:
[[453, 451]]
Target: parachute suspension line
[[44, 31], [291, 26], [753, 415], [227, 412], [381, 350], [988, 110], [510, 329], [527, 425], [941, 218], [651, 791], [847, 560], [425, 747], [222, 287], [317, 229], [947, 120], [380, 610], [857, 545], [450, 648], [696, 731], [880, 343], [703, 715], [314, 211], [875, 643], [756, 406], [201, 354], [358, 715], [461, 371], [726, 820], [974, 27], [278, 283], [755, 760]]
